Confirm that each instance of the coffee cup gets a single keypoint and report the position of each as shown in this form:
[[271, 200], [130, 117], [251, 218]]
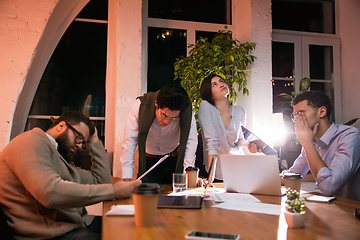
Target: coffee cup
[[193, 173], [292, 180], [145, 198]]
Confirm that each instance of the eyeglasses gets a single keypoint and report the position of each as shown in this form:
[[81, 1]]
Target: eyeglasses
[[163, 116], [79, 139], [293, 115]]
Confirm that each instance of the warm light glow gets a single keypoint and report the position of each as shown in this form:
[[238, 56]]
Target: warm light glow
[[278, 129], [283, 227]]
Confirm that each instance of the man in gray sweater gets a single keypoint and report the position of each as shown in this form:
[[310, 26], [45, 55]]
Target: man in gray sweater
[[43, 194]]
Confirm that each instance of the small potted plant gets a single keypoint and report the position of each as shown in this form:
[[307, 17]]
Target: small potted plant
[[295, 209]]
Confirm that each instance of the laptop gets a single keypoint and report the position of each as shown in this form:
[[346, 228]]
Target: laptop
[[256, 174], [193, 202]]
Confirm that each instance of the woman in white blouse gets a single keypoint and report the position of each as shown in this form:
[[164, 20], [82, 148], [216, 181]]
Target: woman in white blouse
[[220, 122]]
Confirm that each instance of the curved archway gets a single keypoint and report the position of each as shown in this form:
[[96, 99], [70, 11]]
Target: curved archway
[[63, 14]]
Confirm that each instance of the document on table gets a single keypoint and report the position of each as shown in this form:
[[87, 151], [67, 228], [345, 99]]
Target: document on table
[[121, 210], [323, 199], [216, 194], [250, 206]]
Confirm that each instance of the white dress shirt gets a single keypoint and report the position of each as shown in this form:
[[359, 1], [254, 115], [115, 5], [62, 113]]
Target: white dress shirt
[[160, 141]]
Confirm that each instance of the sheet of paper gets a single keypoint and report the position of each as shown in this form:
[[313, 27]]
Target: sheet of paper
[[153, 166], [191, 192], [226, 196], [121, 210], [249, 206], [323, 199]]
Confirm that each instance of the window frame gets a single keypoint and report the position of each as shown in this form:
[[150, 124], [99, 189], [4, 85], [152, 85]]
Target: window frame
[[301, 42], [189, 26]]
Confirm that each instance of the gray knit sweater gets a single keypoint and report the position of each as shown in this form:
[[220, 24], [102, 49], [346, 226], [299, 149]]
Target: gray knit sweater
[[43, 195]]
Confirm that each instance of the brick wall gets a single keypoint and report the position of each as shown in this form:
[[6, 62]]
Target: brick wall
[[21, 26]]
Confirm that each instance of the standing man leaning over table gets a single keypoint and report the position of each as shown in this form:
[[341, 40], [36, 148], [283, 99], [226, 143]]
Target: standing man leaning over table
[[330, 151], [42, 192], [159, 123]]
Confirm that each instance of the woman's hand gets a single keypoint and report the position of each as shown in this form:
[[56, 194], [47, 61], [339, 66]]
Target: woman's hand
[[253, 148], [202, 182]]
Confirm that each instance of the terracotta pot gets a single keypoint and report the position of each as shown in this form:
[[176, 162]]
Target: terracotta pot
[[295, 220]]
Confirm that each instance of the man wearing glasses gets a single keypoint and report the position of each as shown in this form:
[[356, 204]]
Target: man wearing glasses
[[42, 192], [159, 123], [330, 151]]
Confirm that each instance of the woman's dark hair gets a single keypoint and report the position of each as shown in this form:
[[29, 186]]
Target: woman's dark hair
[[174, 97], [75, 118], [315, 99], [205, 88]]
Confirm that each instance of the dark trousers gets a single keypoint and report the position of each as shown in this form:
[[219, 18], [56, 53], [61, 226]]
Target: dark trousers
[[93, 232], [163, 172]]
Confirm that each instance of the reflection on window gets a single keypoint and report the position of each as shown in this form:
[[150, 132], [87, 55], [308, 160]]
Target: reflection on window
[[164, 47], [283, 59], [304, 15], [279, 103], [321, 62], [189, 10]]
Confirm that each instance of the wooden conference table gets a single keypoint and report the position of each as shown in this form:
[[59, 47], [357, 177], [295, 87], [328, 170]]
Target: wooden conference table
[[333, 220]]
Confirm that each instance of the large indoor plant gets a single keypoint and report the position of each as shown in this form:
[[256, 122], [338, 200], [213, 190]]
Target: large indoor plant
[[224, 56]]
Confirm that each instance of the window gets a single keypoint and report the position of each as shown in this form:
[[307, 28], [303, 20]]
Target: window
[[304, 15], [170, 26], [295, 57], [74, 78], [305, 44], [189, 10]]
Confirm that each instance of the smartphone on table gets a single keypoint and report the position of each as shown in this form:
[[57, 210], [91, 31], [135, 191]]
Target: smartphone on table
[[198, 235]]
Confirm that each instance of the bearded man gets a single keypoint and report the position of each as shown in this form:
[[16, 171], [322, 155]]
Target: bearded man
[[43, 194]]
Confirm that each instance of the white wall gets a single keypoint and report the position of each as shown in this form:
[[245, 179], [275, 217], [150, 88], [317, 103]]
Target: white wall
[[349, 20], [253, 24]]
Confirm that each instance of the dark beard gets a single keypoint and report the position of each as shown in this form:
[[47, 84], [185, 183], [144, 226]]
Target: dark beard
[[64, 147]]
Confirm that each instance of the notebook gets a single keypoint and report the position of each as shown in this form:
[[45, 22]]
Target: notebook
[[180, 201], [256, 174]]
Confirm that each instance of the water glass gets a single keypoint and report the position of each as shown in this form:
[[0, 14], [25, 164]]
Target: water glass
[[180, 182]]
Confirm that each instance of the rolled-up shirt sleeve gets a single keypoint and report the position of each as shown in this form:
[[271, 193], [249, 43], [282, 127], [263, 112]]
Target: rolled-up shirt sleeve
[[130, 142], [300, 165], [332, 178]]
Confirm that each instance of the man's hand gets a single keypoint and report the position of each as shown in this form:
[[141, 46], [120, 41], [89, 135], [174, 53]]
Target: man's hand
[[302, 129], [123, 189], [93, 138]]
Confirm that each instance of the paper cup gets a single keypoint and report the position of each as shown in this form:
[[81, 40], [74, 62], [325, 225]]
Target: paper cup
[[193, 173], [293, 181], [145, 199]]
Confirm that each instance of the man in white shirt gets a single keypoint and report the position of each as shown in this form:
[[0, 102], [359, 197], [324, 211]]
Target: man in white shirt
[[159, 123]]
